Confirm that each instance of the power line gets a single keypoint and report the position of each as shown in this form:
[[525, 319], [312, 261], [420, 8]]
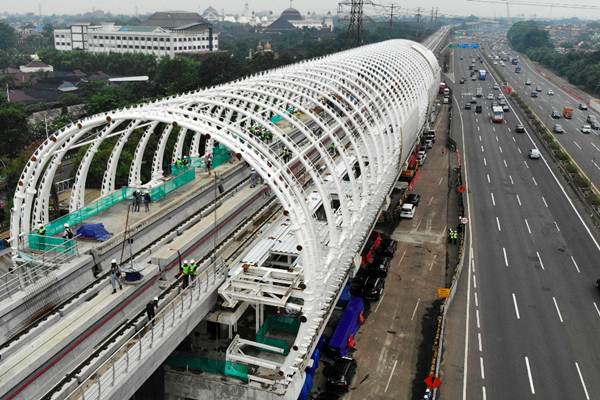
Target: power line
[[356, 19]]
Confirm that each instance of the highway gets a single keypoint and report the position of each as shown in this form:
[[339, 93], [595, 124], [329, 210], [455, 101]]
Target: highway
[[584, 148], [533, 312]]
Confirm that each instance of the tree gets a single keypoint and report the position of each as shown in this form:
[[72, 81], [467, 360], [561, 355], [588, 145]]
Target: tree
[[14, 130], [8, 37]]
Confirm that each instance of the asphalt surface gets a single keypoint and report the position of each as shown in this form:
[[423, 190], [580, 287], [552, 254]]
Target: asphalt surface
[[584, 148], [533, 311]]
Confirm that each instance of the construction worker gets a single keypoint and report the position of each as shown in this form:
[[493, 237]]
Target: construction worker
[[185, 273], [151, 309], [41, 230], [68, 233], [193, 269], [332, 149], [115, 276], [286, 154], [253, 177]]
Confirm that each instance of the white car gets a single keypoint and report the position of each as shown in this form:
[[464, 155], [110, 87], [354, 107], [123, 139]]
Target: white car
[[490, 96], [550, 92], [407, 211], [586, 129], [421, 158], [496, 87], [534, 154]]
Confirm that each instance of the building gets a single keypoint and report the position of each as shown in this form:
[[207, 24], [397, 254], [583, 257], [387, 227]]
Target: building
[[211, 15], [164, 34], [36, 66], [291, 19]]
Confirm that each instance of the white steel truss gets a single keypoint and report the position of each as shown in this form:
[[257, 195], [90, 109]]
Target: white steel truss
[[368, 104]]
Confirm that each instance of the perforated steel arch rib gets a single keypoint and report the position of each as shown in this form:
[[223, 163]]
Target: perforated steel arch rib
[[369, 101]]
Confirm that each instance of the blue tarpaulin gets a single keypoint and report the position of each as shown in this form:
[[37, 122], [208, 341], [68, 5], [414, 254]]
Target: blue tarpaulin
[[94, 231], [346, 327]]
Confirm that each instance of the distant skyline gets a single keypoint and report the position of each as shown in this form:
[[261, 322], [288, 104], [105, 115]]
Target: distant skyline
[[452, 7]]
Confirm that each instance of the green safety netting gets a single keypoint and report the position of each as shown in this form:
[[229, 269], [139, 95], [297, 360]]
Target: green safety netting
[[49, 243], [277, 118], [275, 323], [193, 363], [96, 207], [221, 155]]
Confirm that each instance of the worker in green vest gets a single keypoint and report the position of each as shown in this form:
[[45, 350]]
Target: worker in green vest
[[185, 273], [41, 230], [332, 149], [193, 270]]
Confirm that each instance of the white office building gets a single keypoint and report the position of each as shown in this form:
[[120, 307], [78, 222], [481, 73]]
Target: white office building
[[164, 34]]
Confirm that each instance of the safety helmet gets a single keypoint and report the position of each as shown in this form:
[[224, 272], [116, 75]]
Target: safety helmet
[[192, 261], [66, 225], [156, 299], [185, 261], [113, 261]]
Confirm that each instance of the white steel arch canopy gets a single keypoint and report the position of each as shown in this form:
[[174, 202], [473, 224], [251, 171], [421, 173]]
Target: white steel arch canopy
[[370, 102]]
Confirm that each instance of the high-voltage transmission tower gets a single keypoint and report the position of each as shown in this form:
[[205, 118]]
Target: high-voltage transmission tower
[[356, 19]]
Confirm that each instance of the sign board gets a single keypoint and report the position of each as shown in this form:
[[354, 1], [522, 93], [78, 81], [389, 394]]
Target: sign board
[[443, 293], [433, 382]]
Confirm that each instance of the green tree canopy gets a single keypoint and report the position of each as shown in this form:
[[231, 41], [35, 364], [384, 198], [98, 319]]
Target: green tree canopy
[[8, 37]]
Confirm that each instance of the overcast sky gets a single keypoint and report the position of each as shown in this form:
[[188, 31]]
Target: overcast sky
[[454, 7]]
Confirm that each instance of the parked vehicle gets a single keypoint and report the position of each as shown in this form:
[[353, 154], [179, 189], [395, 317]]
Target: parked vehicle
[[467, 106], [555, 114], [538, 89], [534, 94], [586, 129], [558, 129], [407, 211], [340, 374], [505, 108], [590, 118], [550, 92], [413, 198], [478, 109], [528, 82], [583, 106], [490, 96], [482, 74], [595, 125]]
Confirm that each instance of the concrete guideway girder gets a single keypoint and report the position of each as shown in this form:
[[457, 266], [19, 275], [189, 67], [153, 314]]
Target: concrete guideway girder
[[376, 123]]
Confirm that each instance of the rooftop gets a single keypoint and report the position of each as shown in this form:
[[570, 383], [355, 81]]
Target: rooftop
[[174, 19]]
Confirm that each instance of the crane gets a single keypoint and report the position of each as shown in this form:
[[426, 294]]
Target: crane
[[537, 4]]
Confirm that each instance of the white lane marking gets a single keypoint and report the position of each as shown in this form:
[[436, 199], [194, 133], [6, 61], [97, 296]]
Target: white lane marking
[[478, 128], [527, 165], [511, 180], [474, 282], [576, 144], [481, 368], [379, 302], [596, 147], [493, 201], [430, 200], [477, 318], [509, 130], [484, 161], [482, 148], [556, 225], [488, 178], [498, 224], [587, 396], [390, 378], [505, 165], [519, 200], [540, 259], [597, 309], [415, 310], [519, 150], [513, 138], [402, 257], [440, 181], [534, 181], [516, 306], [497, 140], [476, 299], [544, 200], [557, 309], [480, 138], [529, 375], [494, 128], [596, 165], [500, 148], [479, 341], [528, 228], [505, 257], [483, 394], [576, 266]]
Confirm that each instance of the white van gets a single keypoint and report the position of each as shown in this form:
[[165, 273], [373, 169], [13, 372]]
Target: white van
[[407, 210]]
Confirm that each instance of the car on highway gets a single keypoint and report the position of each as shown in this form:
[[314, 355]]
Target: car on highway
[[413, 198], [407, 210], [496, 87], [462, 81], [555, 114], [586, 129], [534, 154], [598, 284], [550, 92], [502, 102], [446, 100], [558, 128], [467, 106], [473, 100], [505, 108], [429, 143], [340, 374], [473, 77], [534, 94], [528, 82], [583, 106], [538, 89], [478, 109], [595, 125], [520, 128], [490, 96], [590, 118]]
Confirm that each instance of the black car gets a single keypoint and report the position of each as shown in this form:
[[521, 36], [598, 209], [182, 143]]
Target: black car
[[387, 248], [413, 198], [379, 267], [340, 374], [595, 125], [462, 81], [467, 106], [555, 114], [478, 109], [598, 284], [520, 128], [373, 288]]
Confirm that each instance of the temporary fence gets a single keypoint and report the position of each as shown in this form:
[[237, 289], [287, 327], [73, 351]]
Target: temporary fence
[[220, 155], [190, 362], [53, 244], [275, 323]]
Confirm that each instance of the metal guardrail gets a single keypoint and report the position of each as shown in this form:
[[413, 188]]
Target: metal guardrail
[[35, 269], [132, 353]]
